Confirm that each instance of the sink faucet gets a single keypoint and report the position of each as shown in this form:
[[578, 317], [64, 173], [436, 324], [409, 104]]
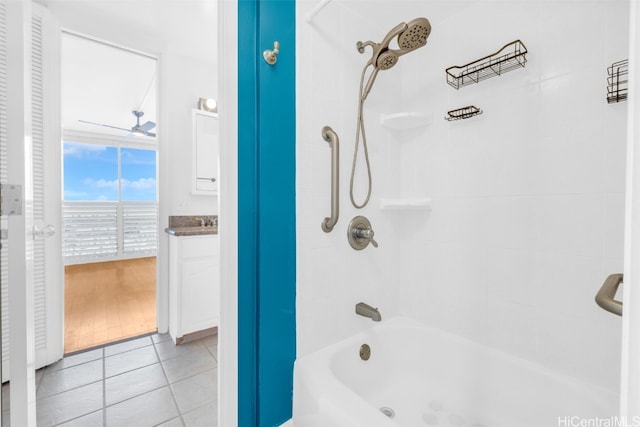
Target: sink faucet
[[366, 310]]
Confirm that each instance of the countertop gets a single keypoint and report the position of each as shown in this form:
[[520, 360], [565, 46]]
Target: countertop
[[190, 225], [191, 231]]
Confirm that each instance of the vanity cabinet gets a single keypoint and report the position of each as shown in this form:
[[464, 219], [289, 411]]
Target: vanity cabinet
[[194, 284], [205, 151]]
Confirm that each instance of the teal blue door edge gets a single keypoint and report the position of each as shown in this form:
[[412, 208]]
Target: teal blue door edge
[[266, 213]]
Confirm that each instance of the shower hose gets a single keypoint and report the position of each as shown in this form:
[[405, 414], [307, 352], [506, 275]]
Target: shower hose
[[360, 130]]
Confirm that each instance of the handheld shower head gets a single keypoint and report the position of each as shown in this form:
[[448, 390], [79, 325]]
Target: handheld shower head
[[410, 37]]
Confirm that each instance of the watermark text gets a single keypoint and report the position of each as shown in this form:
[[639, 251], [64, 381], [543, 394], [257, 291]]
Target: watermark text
[[576, 421]]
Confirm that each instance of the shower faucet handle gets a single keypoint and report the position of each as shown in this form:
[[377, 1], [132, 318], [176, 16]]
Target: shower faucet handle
[[360, 233], [373, 242], [367, 233]]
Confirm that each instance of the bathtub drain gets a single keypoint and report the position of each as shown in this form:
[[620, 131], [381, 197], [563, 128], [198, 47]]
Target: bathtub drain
[[388, 412], [365, 352]]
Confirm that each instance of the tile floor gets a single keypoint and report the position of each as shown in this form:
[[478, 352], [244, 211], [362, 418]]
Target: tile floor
[[147, 381]]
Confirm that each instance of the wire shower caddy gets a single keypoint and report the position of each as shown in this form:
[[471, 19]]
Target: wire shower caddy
[[618, 81], [463, 113], [511, 56]]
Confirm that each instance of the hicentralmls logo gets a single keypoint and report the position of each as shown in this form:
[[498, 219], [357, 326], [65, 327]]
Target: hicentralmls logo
[[575, 421]]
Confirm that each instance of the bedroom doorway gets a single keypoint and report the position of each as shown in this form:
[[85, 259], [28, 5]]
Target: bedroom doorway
[[110, 194]]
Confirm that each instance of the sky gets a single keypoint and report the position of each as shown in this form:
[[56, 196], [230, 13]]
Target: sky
[[91, 173]]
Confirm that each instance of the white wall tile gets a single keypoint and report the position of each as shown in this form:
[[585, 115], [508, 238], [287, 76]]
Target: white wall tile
[[614, 225], [570, 224], [511, 276], [513, 328], [528, 197]]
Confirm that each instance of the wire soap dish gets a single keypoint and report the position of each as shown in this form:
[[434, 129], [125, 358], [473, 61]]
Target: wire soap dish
[[463, 113], [617, 81], [511, 56]]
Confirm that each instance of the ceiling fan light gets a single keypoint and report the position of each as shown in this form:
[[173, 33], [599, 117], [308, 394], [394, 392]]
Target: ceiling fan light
[[208, 104]]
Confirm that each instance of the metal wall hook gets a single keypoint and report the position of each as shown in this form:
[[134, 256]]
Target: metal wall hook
[[271, 56]]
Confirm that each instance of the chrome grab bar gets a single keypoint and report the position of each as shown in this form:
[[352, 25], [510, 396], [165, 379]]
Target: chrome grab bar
[[331, 137], [604, 297]]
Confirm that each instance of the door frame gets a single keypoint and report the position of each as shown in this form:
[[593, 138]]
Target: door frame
[[257, 326], [630, 369], [228, 211], [19, 128], [162, 162]]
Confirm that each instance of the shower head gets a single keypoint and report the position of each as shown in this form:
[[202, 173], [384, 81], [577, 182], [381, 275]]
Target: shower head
[[410, 36], [415, 35]]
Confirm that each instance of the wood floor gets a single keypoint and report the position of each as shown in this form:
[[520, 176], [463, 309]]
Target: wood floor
[[109, 301]]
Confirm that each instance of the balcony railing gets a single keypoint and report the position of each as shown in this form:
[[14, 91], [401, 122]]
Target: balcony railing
[[106, 231]]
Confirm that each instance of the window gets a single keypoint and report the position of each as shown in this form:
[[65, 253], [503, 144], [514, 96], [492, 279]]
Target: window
[[90, 172], [110, 207], [95, 172], [138, 174]]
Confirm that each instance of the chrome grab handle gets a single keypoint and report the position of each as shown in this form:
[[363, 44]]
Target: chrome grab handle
[[604, 297], [331, 137]]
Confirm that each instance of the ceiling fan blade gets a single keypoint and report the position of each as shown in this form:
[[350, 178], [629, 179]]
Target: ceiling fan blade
[[139, 132], [147, 126], [102, 124]]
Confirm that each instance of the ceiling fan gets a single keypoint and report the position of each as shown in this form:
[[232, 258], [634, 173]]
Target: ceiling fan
[[137, 129]]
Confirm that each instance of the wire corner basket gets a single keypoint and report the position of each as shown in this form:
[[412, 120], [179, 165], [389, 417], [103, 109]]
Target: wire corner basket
[[617, 81], [463, 113], [511, 56]]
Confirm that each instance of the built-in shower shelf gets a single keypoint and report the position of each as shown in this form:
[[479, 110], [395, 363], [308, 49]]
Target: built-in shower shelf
[[398, 204], [510, 57], [405, 120]]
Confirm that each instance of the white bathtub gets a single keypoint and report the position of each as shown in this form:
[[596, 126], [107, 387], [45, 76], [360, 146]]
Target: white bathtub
[[431, 378]]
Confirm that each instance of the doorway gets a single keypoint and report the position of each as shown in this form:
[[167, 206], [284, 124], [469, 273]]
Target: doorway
[[110, 194]]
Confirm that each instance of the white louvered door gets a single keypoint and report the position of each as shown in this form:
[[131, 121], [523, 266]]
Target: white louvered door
[[46, 137], [47, 193]]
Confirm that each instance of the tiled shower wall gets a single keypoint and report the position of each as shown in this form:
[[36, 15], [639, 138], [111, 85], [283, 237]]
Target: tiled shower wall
[[527, 198]]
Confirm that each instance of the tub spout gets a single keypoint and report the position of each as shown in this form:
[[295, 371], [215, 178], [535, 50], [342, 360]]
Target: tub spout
[[366, 310]]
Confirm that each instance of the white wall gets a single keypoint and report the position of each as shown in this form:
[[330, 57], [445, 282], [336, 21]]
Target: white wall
[[528, 198], [185, 81], [332, 277]]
